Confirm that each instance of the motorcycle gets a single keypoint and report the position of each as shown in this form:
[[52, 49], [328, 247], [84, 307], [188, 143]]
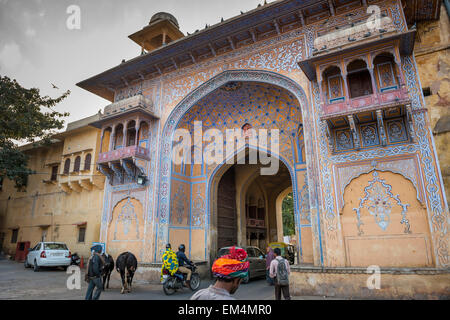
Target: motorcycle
[[75, 260], [173, 283]]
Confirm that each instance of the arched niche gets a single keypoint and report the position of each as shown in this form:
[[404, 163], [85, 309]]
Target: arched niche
[[384, 224], [126, 228]]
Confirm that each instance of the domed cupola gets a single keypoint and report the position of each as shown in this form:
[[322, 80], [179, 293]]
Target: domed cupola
[[162, 29]]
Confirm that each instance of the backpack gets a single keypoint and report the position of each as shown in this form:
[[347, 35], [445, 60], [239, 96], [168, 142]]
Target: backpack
[[282, 273]]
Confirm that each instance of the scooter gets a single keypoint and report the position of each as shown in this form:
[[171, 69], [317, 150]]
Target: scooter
[[173, 283], [75, 260]]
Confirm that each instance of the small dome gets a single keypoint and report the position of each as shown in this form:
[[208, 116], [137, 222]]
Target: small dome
[[164, 16]]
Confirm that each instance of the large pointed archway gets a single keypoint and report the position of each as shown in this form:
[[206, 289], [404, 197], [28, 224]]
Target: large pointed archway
[[271, 101], [254, 198]]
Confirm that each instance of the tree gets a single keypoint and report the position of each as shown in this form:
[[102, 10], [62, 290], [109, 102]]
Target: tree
[[24, 116], [288, 215]]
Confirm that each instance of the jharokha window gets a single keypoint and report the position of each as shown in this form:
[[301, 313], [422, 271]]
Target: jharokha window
[[359, 80], [118, 137], [131, 134], [76, 165], [67, 166], [87, 162], [386, 72], [334, 85], [54, 173]]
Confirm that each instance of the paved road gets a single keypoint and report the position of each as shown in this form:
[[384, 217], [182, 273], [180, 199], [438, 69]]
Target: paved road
[[16, 282]]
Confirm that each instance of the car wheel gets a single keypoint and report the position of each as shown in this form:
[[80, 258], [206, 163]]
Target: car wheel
[[35, 266], [247, 278]]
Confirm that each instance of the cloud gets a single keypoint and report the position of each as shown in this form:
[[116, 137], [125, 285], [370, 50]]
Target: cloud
[[30, 32], [10, 56]]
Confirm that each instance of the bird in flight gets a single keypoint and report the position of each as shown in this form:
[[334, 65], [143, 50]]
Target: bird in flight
[[54, 87]]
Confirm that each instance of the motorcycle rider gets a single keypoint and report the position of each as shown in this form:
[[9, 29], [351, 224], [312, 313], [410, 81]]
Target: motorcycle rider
[[182, 261], [170, 261]]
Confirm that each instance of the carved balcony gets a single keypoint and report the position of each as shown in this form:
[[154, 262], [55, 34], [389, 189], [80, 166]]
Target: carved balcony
[[78, 181], [131, 152], [137, 103], [372, 102], [120, 164], [255, 223]]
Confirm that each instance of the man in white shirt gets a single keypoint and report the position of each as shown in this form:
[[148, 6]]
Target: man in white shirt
[[281, 277]]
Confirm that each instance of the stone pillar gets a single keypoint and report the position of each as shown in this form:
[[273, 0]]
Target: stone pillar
[[137, 127], [329, 136], [124, 139], [354, 132], [409, 119], [111, 140], [381, 127], [347, 92], [101, 141], [374, 82], [323, 97], [400, 76]]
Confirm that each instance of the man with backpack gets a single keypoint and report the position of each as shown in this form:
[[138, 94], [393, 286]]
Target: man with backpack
[[279, 272]]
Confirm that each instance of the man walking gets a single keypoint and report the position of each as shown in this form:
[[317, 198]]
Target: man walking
[[269, 257], [94, 273], [280, 271]]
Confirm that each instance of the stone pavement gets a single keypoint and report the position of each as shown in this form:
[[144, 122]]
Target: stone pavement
[[19, 283]]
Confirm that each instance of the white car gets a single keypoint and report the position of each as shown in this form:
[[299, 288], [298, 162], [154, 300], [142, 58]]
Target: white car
[[48, 254]]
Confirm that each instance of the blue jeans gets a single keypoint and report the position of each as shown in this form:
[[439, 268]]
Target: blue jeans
[[94, 283], [268, 278]]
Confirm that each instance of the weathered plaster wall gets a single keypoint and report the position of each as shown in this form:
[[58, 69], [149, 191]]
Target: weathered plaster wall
[[432, 51], [397, 284], [47, 204], [389, 227]]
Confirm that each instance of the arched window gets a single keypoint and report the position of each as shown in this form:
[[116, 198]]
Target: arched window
[[359, 80], [131, 133], [118, 137], [143, 135], [385, 72], [87, 162], [106, 140], [76, 165], [67, 166], [333, 84]]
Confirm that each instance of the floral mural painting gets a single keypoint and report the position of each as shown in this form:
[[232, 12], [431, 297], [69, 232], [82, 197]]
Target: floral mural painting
[[127, 217], [377, 200]]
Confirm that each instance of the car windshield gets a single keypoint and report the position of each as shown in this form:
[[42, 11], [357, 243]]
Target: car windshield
[[223, 252], [55, 246]]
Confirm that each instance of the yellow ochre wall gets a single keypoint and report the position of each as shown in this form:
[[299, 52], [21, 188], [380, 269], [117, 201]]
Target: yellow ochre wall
[[46, 203]]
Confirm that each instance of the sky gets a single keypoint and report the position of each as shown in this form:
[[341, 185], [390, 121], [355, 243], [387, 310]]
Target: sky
[[38, 49]]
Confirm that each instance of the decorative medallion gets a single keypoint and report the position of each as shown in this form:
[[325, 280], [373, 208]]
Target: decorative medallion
[[127, 216], [377, 200]]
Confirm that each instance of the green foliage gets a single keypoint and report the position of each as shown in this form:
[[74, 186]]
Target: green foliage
[[288, 215], [24, 116]]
